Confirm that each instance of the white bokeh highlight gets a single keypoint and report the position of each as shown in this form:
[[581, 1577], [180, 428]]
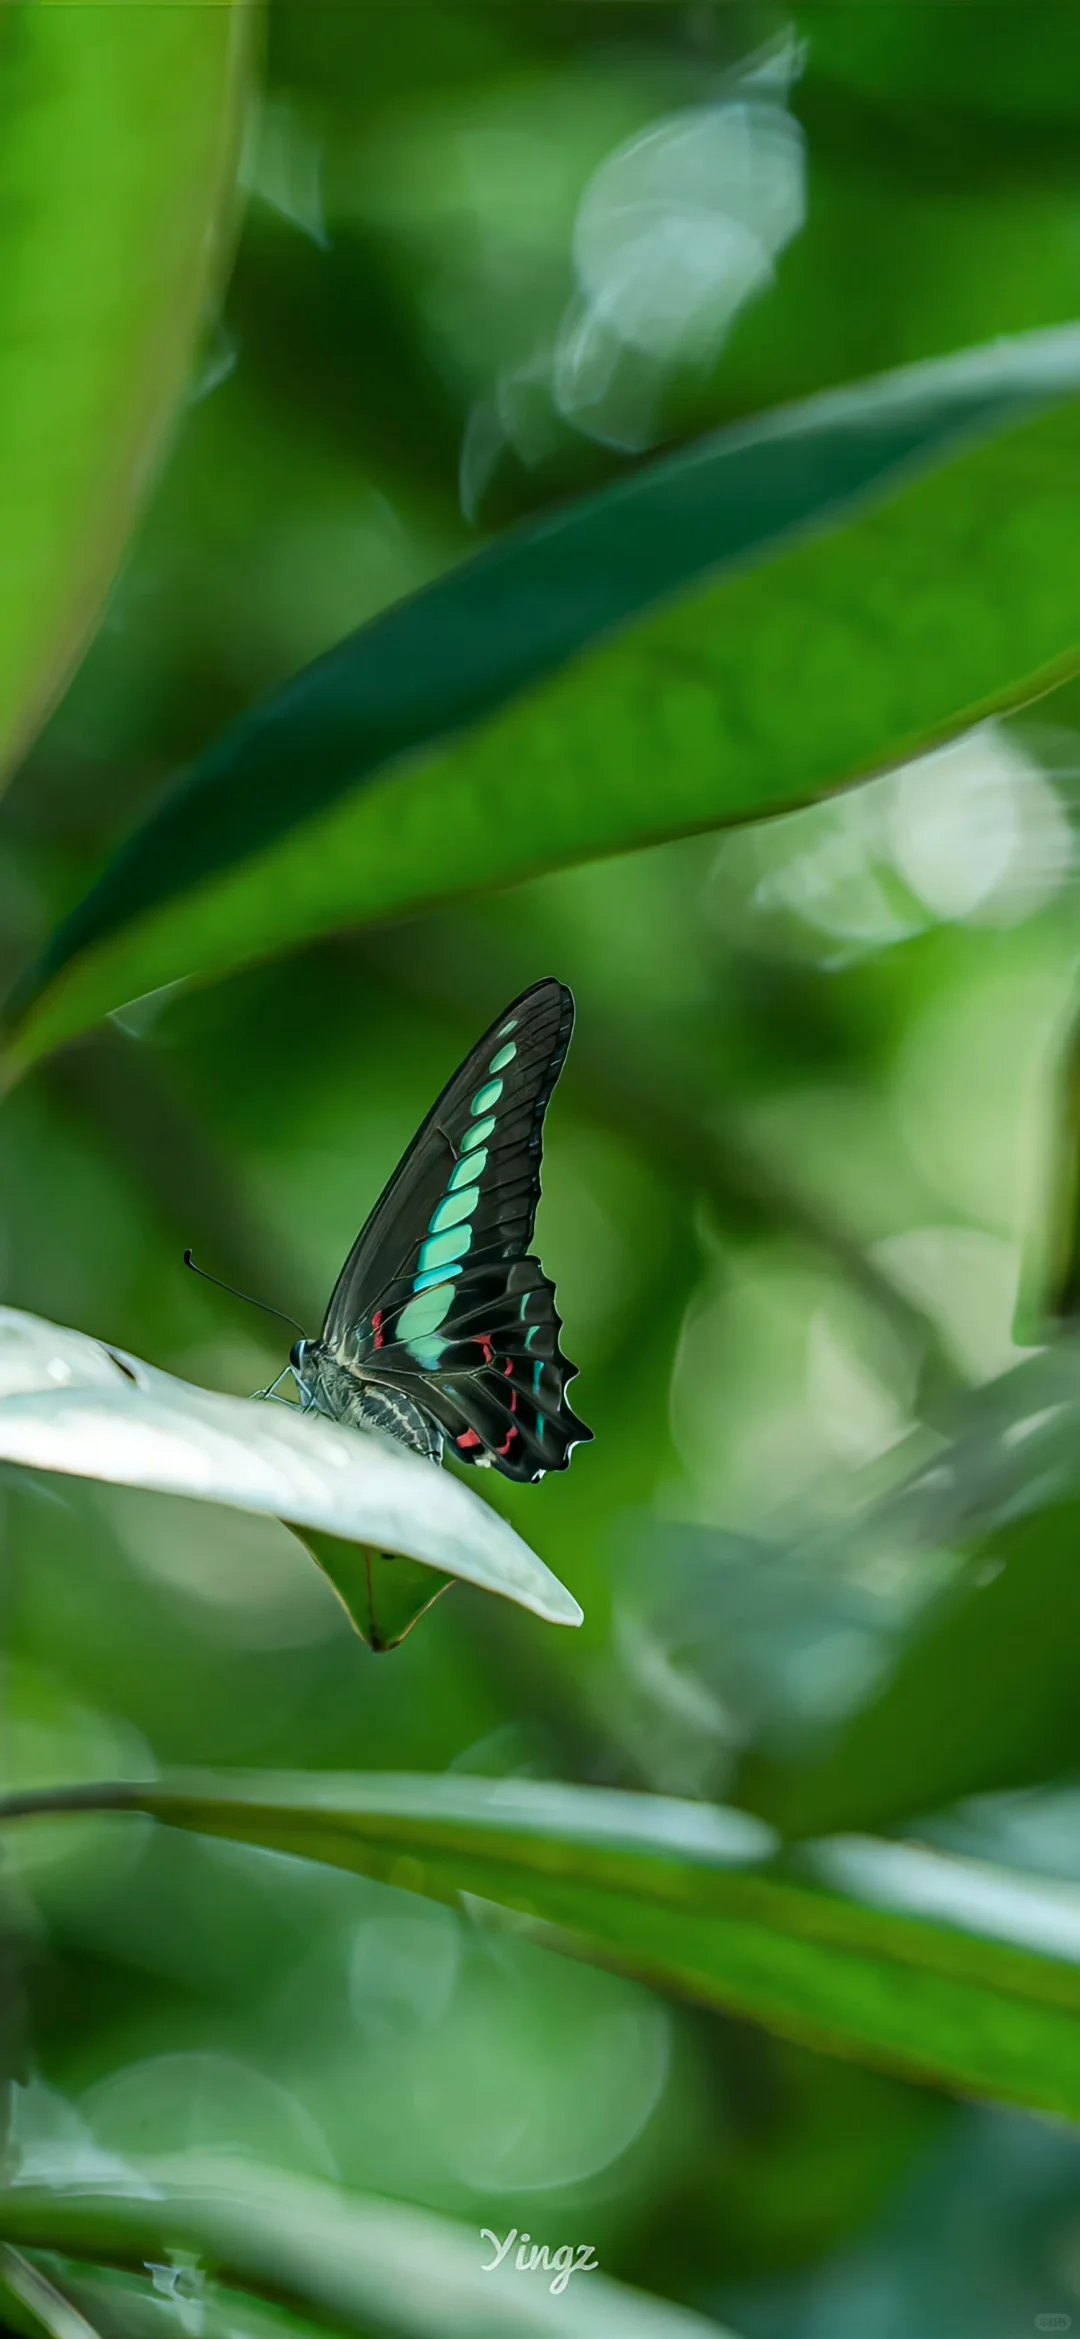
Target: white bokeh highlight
[[675, 232]]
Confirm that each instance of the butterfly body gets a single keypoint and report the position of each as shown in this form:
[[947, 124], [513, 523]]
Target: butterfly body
[[442, 1329], [343, 1394]]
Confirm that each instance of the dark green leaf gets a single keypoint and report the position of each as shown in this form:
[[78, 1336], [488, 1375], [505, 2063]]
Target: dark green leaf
[[774, 684]]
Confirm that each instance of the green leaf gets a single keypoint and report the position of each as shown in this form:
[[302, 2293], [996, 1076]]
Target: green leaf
[[383, 1594], [678, 1894], [75, 1405], [360, 2263], [35, 2304], [776, 680], [172, 2297], [117, 158]]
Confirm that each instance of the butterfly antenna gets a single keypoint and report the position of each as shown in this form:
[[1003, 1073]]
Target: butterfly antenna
[[244, 1295]]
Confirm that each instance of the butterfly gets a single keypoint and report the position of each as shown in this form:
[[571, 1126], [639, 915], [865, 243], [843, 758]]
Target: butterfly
[[442, 1327]]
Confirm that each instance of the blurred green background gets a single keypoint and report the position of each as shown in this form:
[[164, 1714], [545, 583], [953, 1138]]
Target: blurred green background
[[795, 1169]]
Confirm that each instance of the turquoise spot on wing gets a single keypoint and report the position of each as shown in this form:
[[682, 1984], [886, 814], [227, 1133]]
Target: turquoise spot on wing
[[478, 1134], [434, 1275], [422, 1316], [469, 1168], [486, 1097], [505, 1027], [505, 1056], [428, 1351], [454, 1208], [439, 1248]]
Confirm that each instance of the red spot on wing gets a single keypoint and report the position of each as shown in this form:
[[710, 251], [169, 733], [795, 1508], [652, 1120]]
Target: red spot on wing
[[376, 1326], [469, 1437]]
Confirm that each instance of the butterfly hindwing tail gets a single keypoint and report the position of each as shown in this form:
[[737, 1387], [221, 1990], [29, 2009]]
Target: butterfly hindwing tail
[[500, 1389]]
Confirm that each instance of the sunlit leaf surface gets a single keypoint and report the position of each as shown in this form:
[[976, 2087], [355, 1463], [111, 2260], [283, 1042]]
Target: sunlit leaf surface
[[70, 1404]]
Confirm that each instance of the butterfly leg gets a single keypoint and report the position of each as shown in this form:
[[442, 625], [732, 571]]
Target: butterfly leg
[[269, 1394]]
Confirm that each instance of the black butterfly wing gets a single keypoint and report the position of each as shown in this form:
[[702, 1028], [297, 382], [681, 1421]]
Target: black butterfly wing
[[438, 1296], [506, 1141], [499, 1392]]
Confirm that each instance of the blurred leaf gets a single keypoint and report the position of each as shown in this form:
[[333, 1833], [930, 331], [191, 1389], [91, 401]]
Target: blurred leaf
[[980, 1692], [836, 2151], [786, 680], [72, 1404], [970, 1678], [383, 1594], [116, 165], [364, 2264], [60, 2294], [661, 1889], [36, 2305], [986, 1696], [1015, 1447]]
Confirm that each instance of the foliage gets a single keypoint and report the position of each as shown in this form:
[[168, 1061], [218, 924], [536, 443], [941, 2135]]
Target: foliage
[[621, 426]]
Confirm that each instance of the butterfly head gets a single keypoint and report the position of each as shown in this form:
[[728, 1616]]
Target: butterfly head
[[305, 1367]]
